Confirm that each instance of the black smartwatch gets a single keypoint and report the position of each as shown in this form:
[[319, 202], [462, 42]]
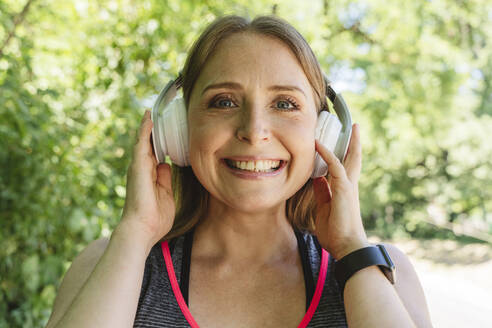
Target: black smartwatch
[[363, 258]]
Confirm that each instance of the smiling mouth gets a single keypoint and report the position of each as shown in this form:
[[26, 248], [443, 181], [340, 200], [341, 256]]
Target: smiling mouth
[[254, 166]]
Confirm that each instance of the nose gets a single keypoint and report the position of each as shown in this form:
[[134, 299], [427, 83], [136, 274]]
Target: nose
[[253, 127]]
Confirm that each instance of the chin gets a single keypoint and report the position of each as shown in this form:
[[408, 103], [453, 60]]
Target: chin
[[255, 204]]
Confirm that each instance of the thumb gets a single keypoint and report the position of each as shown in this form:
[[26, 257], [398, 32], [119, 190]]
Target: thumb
[[322, 192]]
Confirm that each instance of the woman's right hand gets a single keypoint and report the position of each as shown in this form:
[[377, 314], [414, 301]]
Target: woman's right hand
[[149, 204]]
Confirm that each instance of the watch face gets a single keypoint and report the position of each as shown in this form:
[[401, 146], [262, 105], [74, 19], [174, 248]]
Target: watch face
[[389, 270]]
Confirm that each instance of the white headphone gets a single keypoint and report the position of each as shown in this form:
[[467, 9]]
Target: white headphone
[[170, 130]]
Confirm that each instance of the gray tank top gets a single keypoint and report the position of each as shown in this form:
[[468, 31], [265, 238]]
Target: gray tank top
[[164, 294]]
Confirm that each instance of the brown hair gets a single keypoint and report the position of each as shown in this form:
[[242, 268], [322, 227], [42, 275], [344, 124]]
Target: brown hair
[[191, 197]]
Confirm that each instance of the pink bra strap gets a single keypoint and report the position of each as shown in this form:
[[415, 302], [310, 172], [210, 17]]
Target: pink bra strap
[[319, 289], [175, 285], [186, 311]]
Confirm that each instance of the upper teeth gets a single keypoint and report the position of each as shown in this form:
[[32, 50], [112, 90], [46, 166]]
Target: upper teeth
[[261, 165]]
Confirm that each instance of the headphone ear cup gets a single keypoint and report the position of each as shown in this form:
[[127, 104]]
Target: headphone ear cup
[[328, 129], [171, 129]]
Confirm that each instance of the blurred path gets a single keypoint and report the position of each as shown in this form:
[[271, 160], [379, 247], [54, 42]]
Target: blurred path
[[456, 278]]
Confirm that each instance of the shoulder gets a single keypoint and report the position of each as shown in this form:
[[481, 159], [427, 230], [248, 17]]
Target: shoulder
[[84, 263], [92, 253], [408, 287], [78, 273]]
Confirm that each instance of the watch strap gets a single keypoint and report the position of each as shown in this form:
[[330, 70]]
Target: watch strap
[[362, 258]]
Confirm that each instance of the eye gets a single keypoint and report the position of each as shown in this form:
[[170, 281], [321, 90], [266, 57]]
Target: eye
[[287, 104], [222, 102]]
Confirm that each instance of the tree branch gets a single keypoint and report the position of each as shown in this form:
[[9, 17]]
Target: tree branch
[[17, 20]]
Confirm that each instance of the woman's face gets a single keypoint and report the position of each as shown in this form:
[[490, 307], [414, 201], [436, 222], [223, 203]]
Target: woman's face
[[252, 119]]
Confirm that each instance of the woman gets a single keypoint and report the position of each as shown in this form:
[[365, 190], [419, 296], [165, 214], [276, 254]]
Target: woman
[[252, 92]]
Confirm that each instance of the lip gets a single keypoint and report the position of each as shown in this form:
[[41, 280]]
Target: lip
[[253, 158], [249, 175]]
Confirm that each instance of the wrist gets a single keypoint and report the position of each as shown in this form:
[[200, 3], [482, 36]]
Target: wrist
[[133, 233], [361, 259], [350, 247]]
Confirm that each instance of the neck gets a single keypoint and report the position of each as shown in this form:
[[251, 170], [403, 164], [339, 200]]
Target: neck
[[257, 237]]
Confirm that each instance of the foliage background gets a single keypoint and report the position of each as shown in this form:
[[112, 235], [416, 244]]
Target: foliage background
[[76, 76]]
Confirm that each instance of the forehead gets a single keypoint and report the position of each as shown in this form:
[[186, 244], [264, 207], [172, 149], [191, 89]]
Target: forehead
[[249, 57]]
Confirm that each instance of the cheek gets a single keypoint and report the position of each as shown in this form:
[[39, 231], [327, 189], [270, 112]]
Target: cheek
[[201, 145], [300, 139], [201, 141], [205, 137], [300, 133]]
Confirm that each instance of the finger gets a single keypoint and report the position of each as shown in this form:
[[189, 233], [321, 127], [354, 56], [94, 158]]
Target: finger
[[152, 153], [164, 177], [322, 192], [353, 161], [143, 140], [335, 168]]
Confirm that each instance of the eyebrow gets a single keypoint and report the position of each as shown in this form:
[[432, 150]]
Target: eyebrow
[[237, 86]]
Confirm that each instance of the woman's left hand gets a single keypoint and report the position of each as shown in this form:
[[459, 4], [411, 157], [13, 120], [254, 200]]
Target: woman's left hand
[[338, 221]]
